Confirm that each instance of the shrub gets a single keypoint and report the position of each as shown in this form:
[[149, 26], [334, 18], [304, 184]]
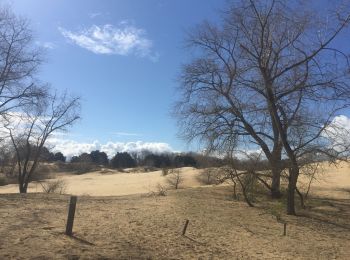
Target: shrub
[[211, 176], [56, 186], [149, 169], [3, 181], [165, 171], [42, 171], [251, 185], [160, 191], [77, 167]]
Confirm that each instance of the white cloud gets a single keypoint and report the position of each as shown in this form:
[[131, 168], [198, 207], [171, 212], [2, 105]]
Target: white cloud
[[124, 39], [338, 132], [70, 147]]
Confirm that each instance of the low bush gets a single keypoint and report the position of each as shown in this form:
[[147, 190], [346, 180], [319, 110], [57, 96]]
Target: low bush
[[55, 186], [160, 191], [78, 167], [42, 172], [3, 181], [165, 171], [210, 176]]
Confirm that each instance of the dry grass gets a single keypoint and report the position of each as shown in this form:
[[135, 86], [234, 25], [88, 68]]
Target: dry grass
[[141, 227]]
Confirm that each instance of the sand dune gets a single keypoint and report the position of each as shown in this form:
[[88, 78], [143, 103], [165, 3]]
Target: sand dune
[[333, 182], [112, 183]]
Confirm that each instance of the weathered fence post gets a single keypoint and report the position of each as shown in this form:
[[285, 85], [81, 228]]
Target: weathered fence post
[[185, 227], [71, 213], [284, 229]]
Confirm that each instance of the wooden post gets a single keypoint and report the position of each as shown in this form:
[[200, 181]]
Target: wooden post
[[71, 213], [284, 229], [185, 227]]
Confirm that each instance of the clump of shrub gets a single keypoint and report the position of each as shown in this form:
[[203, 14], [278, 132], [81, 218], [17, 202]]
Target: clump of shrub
[[160, 191], [9, 171], [165, 171], [251, 185], [55, 186], [42, 172], [211, 176], [78, 167], [3, 181], [149, 169]]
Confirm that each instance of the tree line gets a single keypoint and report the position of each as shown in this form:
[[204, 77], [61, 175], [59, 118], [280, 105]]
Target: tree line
[[123, 160]]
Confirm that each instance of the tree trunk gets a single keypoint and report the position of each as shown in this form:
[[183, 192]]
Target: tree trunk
[[302, 203], [22, 181], [276, 184], [293, 177], [22, 188]]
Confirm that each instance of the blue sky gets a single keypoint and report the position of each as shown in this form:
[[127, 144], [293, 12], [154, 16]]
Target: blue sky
[[122, 57]]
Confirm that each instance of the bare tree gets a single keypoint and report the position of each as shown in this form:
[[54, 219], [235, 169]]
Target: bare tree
[[19, 61], [31, 129], [268, 78], [174, 178]]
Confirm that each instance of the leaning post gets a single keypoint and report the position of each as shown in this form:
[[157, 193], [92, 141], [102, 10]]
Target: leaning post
[[71, 213]]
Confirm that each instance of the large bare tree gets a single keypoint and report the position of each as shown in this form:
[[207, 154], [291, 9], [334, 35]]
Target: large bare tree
[[268, 77], [30, 129]]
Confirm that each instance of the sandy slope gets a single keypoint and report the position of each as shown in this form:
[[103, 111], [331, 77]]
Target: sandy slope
[[332, 181], [112, 183]]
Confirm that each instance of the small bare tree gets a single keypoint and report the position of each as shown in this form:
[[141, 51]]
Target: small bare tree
[[31, 129], [174, 178], [54, 186]]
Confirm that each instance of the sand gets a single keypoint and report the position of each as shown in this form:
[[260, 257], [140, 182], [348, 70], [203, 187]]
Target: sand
[[332, 181], [143, 226], [112, 183], [146, 227]]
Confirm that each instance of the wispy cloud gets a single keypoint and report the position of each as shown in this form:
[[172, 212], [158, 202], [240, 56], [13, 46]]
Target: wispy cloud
[[46, 45], [70, 147], [94, 15], [123, 39], [125, 134]]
